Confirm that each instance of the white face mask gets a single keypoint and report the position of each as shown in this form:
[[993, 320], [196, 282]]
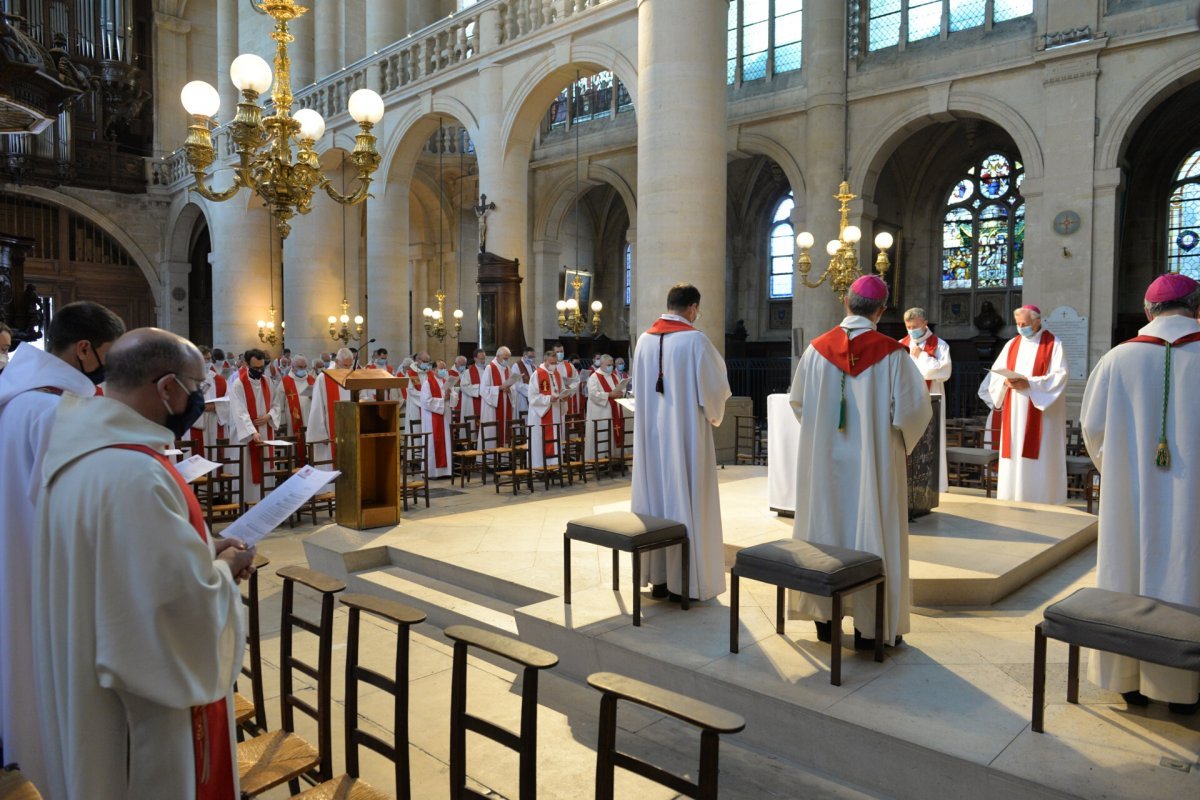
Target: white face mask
[[4, 359], [916, 333], [300, 372]]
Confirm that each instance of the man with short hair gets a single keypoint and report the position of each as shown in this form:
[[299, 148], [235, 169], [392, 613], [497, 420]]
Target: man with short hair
[[1033, 413], [471, 385], [438, 397], [77, 343], [293, 404], [604, 388], [525, 366], [546, 409], [498, 394], [862, 407], [326, 393], [1141, 429], [251, 422], [932, 357], [570, 381], [137, 618], [682, 397], [5, 345]]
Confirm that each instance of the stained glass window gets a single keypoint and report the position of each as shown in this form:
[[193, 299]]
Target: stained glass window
[[763, 36], [731, 44], [1183, 219], [889, 20], [983, 231], [628, 273], [781, 247]]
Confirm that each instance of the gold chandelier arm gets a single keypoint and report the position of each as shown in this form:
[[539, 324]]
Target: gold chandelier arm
[[208, 193], [804, 279], [353, 198]]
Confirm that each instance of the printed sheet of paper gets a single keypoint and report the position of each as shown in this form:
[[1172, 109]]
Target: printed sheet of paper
[[279, 443], [626, 403], [513, 377], [270, 512], [171, 451], [1008, 373], [224, 399], [622, 385], [195, 467]]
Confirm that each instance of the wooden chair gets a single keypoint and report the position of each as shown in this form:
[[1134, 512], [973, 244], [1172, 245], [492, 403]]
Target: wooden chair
[[532, 660], [321, 501], [489, 443], [349, 786], [602, 447], [220, 494], [625, 451], [466, 455], [748, 444], [250, 714], [279, 757], [512, 468], [551, 451], [414, 467], [572, 452]]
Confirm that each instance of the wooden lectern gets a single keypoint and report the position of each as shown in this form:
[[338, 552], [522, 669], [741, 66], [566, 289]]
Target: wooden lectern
[[367, 435]]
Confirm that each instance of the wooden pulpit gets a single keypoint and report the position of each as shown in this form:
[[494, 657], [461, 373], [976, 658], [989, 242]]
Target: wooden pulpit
[[367, 435]]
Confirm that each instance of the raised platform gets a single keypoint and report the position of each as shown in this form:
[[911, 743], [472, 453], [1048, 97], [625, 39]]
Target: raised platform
[[947, 710]]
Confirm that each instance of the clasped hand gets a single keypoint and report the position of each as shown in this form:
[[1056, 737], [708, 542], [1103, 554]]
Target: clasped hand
[[238, 556]]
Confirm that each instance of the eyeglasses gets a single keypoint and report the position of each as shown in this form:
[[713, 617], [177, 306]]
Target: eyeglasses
[[201, 384]]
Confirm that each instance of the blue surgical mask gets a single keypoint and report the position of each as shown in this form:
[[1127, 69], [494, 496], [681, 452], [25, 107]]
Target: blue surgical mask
[[1026, 331], [620, 366], [442, 373], [299, 372], [607, 369], [916, 333]]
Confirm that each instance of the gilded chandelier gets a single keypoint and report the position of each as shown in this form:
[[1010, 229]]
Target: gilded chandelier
[[843, 258], [571, 317], [344, 334], [435, 319], [266, 163], [266, 329]]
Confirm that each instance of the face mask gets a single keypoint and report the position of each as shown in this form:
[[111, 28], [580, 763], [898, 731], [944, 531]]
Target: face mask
[[3, 360], [180, 424], [381, 363], [96, 376], [423, 367], [442, 373], [558, 356], [528, 361], [620, 366], [255, 373], [596, 362], [916, 333], [607, 369], [1026, 331], [300, 372], [207, 366], [503, 362]]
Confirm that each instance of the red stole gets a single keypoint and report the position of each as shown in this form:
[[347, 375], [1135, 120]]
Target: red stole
[[438, 421], [1191, 337], [661, 328], [197, 436], [573, 400], [548, 381], [99, 392], [503, 404], [332, 395], [210, 723], [930, 348], [618, 419], [296, 414], [1031, 447], [855, 356], [476, 380], [256, 456]]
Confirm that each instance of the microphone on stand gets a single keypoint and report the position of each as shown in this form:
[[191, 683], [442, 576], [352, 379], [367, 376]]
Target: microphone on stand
[[358, 352]]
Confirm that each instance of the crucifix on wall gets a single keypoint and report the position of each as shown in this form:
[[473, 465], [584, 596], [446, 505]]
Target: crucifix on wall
[[481, 213]]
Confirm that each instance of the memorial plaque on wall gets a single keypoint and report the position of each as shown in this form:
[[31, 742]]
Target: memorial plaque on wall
[[1072, 330], [924, 466]]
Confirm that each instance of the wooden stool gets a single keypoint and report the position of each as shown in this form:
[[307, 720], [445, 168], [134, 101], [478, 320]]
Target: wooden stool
[[533, 659], [1126, 624], [711, 720], [250, 714], [626, 532], [818, 569]]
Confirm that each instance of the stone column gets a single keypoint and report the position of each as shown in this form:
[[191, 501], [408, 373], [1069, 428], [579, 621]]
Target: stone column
[[387, 21], [303, 51], [547, 263], [816, 310], [630, 314], [327, 31], [388, 271], [1108, 187], [227, 51], [681, 157], [170, 74], [240, 276], [421, 13], [173, 314], [314, 288]]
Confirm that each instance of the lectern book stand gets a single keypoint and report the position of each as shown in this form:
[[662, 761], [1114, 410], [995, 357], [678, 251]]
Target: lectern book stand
[[367, 435]]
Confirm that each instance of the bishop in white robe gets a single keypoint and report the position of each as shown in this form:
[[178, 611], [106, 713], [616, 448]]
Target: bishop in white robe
[[251, 424], [862, 407], [1033, 413], [439, 397], [547, 405], [684, 389], [1149, 456], [931, 354], [498, 396]]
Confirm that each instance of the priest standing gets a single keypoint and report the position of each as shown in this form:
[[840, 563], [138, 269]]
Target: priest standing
[[932, 357], [439, 398], [525, 367], [1033, 413], [862, 407], [602, 391], [293, 404], [251, 423], [472, 386], [547, 406], [498, 394], [321, 419], [77, 344], [684, 387], [1141, 429]]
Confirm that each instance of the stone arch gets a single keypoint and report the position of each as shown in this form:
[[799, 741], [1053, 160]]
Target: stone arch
[[1139, 104], [413, 129], [562, 198], [182, 228], [145, 265], [758, 144]]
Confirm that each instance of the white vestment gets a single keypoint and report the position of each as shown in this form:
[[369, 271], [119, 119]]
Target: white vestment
[[674, 459], [471, 388], [599, 407], [852, 485], [281, 414], [412, 403], [436, 413], [242, 429], [214, 424], [320, 427], [135, 620], [521, 387], [543, 411], [990, 423], [1044, 479], [935, 369], [492, 390], [26, 416], [1148, 541]]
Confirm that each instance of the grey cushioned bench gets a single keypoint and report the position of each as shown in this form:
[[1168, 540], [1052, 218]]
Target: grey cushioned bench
[[819, 569], [1125, 624], [623, 531]]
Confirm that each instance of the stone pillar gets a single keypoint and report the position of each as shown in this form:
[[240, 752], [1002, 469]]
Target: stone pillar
[[240, 276], [387, 22], [388, 270], [227, 51], [303, 51], [170, 74], [1108, 186], [421, 13], [173, 314], [546, 273], [816, 310], [630, 314], [327, 31], [314, 288], [681, 157]]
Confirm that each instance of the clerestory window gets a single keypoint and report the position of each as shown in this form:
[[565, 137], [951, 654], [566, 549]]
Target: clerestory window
[[891, 22], [764, 39]]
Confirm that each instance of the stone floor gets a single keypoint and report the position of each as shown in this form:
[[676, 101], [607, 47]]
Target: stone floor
[[955, 696]]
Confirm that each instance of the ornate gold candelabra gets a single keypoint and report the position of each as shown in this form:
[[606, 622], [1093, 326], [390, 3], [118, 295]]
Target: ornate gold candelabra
[[266, 329], [571, 316], [266, 164], [343, 334], [843, 256], [435, 319]]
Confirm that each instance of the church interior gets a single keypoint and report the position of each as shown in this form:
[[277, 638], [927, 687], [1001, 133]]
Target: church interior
[[443, 176]]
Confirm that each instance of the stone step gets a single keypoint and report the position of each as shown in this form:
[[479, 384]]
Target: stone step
[[444, 603]]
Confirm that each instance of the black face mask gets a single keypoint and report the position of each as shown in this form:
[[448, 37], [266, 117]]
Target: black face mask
[[180, 424], [96, 376], [255, 374]]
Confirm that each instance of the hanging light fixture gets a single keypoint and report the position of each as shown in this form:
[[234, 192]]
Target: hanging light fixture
[[843, 257], [571, 316], [343, 333], [267, 165], [435, 319], [266, 328]]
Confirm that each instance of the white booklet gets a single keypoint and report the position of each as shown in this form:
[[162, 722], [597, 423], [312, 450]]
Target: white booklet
[[626, 402], [1008, 373], [279, 443], [270, 512], [195, 467]]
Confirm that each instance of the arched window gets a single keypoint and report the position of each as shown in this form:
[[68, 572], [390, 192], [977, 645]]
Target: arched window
[[628, 273], [983, 228], [1183, 219], [781, 246]]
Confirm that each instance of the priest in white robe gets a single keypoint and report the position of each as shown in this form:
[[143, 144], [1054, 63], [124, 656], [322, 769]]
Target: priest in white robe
[[471, 387], [293, 404], [31, 386], [862, 407], [417, 371], [138, 622], [684, 389], [931, 354], [1033, 413], [498, 394], [321, 417], [570, 380], [1141, 429], [547, 406], [439, 397], [525, 366], [251, 423], [603, 389]]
